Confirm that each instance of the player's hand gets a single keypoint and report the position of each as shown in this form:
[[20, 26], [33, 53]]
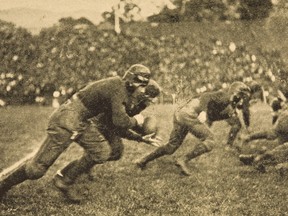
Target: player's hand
[[151, 140], [140, 119], [202, 117]]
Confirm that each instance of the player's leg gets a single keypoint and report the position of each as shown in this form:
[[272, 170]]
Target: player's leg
[[235, 124], [177, 136], [36, 167], [16, 177], [116, 145], [97, 151], [272, 157], [203, 133], [117, 149]]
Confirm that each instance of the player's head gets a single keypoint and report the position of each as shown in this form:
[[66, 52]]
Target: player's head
[[238, 91], [137, 75], [143, 96], [152, 90]]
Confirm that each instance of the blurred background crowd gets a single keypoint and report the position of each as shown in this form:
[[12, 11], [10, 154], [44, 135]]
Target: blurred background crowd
[[62, 58]]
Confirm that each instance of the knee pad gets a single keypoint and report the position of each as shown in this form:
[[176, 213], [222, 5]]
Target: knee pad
[[35, 171]]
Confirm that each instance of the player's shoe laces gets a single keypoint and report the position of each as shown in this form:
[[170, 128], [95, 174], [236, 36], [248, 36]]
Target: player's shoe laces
[[65, 189], [247, 159], [182, 165]]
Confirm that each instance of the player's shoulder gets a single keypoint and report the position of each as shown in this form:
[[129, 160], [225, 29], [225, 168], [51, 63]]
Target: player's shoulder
[[112, 83], [114, 79], [214, 95]]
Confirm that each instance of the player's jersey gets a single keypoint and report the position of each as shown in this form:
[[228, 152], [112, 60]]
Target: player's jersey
[[108, 96], [216, 104], [104, 123]]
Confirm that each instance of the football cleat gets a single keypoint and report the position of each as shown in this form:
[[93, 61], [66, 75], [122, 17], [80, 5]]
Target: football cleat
[[66, 190], [182, 165], [140, 165], [247, 159]]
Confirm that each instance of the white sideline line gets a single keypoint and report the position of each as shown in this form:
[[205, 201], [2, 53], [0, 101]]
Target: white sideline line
[[17, 164]]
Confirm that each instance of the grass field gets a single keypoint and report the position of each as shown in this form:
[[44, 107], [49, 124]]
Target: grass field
[[220, 185]]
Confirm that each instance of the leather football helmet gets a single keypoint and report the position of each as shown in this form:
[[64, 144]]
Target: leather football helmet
[[137, 75]]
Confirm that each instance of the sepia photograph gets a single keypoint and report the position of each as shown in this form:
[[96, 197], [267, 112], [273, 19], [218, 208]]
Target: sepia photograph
[[143, 107]]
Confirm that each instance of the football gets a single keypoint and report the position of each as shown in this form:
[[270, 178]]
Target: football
[[150, 125]]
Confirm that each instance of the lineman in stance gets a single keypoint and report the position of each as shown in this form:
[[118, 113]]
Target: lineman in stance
[[195, 117], [114, 135], [277, 156], [114, 97]]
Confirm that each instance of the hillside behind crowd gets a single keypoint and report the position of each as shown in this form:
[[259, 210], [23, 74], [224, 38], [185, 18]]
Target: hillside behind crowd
[[185, 58]]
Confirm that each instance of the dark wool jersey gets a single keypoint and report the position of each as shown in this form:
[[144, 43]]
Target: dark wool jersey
[[104, 124], [110, 97], [216, 104]]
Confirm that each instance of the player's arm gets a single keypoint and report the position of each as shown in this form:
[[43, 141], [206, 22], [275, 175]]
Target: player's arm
[[246, 112], [148, 139], [120, 117], [138, 108], [268, 135], [131, 135]]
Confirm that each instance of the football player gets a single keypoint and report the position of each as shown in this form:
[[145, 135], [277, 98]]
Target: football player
[[70, 123], [194, 117], [277, 156], [139, 132], [145, 132]]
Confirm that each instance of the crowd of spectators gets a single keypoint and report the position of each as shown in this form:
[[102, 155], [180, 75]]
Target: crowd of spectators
[[62, 58]]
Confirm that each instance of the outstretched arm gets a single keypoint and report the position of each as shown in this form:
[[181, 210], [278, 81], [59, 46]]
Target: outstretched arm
[[268, 135], [148, 139], [131, 135]]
